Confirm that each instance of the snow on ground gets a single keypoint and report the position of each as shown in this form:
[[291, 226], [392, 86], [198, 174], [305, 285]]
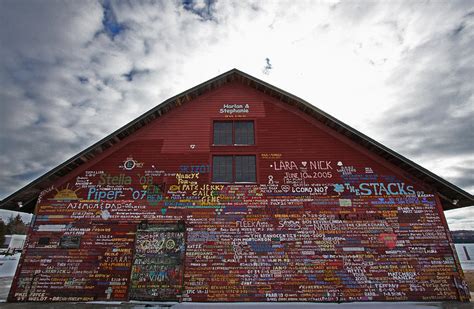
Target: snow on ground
[[466, 255], [8, 264]]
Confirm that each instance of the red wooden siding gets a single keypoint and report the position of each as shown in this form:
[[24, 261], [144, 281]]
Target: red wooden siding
[[326, 221]]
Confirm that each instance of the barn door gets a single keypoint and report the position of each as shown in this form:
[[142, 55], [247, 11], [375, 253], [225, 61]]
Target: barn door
[[157, 270]]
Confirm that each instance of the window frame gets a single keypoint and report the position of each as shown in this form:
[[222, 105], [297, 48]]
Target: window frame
[[233, 155], [233, 121], [212, 168]]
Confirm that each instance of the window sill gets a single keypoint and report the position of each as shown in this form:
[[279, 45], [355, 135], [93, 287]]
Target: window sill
[[232, 145]]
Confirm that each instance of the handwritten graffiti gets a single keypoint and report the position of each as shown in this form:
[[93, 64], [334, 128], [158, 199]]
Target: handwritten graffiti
[[158, 263], [234, 109], [292, 165], [154, 194], [130, 163], [381, 189], [310, 230], [201, 169]]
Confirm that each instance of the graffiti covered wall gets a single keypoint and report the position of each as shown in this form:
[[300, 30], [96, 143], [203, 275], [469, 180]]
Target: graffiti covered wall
[[326, 221]]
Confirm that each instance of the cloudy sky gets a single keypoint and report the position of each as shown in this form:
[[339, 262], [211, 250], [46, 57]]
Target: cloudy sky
[[401, 72]]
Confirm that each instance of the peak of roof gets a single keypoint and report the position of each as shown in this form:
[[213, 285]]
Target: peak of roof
[[452, 196]]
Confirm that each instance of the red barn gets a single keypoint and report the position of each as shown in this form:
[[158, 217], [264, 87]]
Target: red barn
[[237, 191]]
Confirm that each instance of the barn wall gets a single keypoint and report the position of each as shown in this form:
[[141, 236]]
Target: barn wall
[[326, 221]]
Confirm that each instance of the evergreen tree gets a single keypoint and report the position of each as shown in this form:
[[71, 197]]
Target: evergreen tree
[[3, 230], [16, 225]]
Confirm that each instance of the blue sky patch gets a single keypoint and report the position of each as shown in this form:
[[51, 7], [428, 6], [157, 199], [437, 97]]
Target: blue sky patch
[[202, 8], [134, 72], [82, 79], [111, 26]]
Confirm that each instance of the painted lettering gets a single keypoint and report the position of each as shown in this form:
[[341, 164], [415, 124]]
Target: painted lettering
[[95, 194], [107, 179], [378, 188]]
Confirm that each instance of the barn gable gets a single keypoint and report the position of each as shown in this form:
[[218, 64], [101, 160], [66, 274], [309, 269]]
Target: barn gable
[[451, 196]]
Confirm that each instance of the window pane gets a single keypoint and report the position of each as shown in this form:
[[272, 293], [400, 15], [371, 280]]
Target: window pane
[[244, 132], [222, 133], [245, 169], [222, 169]]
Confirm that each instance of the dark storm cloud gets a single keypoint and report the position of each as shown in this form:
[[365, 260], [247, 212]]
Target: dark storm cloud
[[434, 117], [202, 8], [134, 73], [465, 175], [52, 89], [37, 39], [67, 64]]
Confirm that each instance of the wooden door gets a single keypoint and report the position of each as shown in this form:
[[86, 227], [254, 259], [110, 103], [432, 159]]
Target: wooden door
[[158, 265]]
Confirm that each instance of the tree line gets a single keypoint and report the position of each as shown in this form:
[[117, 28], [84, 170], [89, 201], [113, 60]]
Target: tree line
[[15, 225]]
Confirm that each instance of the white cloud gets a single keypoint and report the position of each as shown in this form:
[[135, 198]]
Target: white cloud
[[460, 219]]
